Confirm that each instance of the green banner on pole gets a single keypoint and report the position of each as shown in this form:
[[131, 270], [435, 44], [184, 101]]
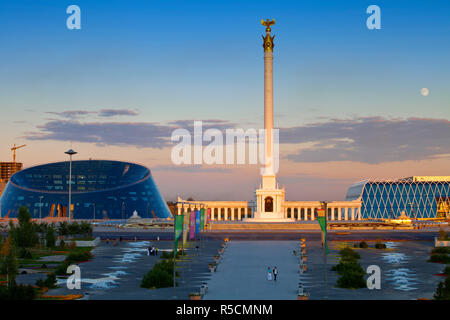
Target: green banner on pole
[[178, 230], [202, 219], [322, 219], [185, 227]]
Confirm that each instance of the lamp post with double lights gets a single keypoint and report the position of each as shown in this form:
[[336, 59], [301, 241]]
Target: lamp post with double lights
[[70, 152]]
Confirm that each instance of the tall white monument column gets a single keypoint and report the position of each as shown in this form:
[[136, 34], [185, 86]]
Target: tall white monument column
[[270, 198]]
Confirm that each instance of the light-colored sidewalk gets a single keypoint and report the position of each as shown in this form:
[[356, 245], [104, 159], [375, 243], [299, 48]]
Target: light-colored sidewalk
[[242, 273]]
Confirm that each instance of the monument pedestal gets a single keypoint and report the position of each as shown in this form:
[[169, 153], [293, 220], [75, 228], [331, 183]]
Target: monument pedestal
[[270, 200]]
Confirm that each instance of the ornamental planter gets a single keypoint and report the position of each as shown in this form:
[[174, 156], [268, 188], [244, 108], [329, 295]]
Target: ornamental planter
[[302, 297], [195, 297]]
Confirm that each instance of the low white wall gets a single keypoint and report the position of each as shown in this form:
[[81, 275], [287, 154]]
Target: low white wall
[[81, 243], [441, 243]]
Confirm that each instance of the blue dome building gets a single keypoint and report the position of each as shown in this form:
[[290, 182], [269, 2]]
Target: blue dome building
[[100, 189]]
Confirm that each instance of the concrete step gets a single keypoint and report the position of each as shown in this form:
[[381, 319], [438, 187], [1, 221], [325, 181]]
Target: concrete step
[[264, 226]]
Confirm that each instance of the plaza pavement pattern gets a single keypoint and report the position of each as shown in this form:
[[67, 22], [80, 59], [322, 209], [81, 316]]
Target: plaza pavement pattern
[[116, 272], [242, 274]]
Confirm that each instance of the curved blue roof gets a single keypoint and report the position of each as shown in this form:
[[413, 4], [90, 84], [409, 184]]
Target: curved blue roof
[[100, 189]]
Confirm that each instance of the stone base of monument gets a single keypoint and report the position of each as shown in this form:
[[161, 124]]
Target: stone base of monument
[[268, 217]]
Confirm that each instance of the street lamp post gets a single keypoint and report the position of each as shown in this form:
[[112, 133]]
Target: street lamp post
[[123, 209], [40, 209], [70, 152], [94, 210]]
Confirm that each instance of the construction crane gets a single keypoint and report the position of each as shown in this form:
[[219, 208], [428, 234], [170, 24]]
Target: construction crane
[[13, 149]]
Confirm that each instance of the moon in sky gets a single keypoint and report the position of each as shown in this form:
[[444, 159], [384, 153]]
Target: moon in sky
[[424, 91]]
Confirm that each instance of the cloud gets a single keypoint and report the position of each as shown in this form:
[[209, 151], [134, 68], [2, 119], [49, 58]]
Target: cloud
[[191, 169], [139, 134], [363, 139], [71, 114], [370, 140], [206, 124], [104, 113], [116, 112]]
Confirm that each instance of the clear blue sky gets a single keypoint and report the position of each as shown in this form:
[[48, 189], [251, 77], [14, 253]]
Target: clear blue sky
[[203, 58]]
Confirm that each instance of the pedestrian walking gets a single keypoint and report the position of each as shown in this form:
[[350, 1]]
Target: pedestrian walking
[[275, 273], [269, 274]]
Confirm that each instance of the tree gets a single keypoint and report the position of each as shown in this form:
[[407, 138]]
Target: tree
[[25, 234], [50, 237], [86, 228], [73, 228], [9, 261], [443, 290], [63, 229]]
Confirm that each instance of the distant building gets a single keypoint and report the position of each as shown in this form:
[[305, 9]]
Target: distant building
[[417, 197], [100, 189], [7, 169]]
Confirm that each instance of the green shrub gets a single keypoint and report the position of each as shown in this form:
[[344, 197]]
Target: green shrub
[[380, 245], [49, 282], [79, 256], [349, 254], [443, 290], [157, 278], [351, 280], [62, 244], [447, 271], [61, 269], [363, 244], [160, 276], [17, 292], [344, 267], [351, 274], [442, 250], [169, 254], [439, 258], [24, 253], [85, 228]]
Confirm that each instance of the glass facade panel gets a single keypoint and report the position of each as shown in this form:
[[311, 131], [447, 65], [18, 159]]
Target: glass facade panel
[[388, 199], [114, 187]]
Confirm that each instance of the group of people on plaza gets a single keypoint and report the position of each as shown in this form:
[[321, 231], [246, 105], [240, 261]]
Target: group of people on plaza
[[272, 274], [152, 251]]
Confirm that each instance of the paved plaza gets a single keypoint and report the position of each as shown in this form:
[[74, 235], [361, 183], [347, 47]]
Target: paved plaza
[[115, 272], [242, 274]]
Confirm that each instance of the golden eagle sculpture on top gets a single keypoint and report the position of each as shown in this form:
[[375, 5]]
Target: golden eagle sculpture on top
[[268, 40], [268, 23]]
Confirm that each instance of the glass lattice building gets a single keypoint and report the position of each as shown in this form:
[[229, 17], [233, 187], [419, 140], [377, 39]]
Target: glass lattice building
[[417, 197], [100, 189]]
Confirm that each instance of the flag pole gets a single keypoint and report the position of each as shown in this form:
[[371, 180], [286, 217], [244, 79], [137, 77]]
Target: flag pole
[[174, 240], [325, 251]]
